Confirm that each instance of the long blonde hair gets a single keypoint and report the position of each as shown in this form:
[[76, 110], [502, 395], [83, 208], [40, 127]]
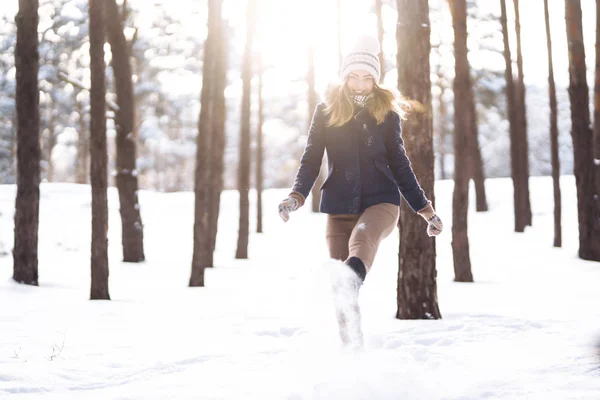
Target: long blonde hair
[[340, 109]]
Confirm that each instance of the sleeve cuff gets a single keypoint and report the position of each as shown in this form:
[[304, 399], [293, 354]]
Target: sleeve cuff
[[427, 211], [299, 197]]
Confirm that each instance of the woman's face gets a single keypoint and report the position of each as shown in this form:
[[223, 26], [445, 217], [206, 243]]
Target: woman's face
[[360, 83]]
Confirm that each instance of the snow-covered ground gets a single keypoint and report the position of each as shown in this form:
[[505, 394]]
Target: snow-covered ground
[[263, 328]]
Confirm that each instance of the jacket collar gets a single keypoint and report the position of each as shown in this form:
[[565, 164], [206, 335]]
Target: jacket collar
[[362, 115]]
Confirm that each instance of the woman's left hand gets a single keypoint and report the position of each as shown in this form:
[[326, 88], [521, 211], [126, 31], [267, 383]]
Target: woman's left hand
[[286, 207], [434, 223]]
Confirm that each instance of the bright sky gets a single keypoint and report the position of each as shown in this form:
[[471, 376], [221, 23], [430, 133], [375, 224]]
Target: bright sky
[[287, 27], [285, 39]]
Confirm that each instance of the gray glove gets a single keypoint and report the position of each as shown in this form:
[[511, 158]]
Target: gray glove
[[286, 207], [434, 225]]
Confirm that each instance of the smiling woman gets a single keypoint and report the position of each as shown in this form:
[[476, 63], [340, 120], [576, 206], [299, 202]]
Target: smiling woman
[[358, 125], [360, 82]]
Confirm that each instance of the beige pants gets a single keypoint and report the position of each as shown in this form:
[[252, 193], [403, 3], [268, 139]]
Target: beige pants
[[350, 235]]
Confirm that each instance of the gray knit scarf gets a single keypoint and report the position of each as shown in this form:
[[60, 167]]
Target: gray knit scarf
[[361, 101]]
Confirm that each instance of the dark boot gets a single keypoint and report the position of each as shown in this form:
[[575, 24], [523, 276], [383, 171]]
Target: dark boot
[[357, 266]]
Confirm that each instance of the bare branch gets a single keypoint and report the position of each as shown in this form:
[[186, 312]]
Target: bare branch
[[133, 40], [124, 12], [80, 85]]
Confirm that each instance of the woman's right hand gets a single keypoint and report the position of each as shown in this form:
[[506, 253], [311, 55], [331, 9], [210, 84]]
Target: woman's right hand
[[286, 207]]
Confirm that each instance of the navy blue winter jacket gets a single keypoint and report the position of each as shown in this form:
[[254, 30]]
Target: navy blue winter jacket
[[367, 164]]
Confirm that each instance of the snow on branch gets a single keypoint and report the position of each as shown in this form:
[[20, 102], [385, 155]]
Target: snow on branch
[[78, 84]]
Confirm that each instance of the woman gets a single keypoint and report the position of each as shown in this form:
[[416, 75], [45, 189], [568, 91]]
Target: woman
[[359, 127]]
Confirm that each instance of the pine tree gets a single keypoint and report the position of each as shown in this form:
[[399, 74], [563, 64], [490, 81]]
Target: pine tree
[[516, 164], [210, 144], [554, 134], [127, 181], [99, 157], [463, 98], [380, 34], [315, 192], [582, 135], [259, 152], [417, 287], [218, 120], [521, 114], [244, 160], [25, 253]]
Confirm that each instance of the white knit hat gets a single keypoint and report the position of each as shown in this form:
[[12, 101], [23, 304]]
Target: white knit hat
[[365, 56]]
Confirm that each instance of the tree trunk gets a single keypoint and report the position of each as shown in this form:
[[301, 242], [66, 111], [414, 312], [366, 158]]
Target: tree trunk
[[51, 144], [98, 153], [13, 147], [521, 114], [515, 159], [259, 152], [178, 175], [50, 140], [312, 104], [219, 117], [463, 164], [127, 181], [476, 161], [596, 138], [201, 258], [244, 160], [554, 133], [380, 33], [25, 253], [442, 131], [81, 168], [587, 199], [417, 287]]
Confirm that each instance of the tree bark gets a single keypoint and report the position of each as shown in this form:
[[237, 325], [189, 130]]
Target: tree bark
[[380, 34], [127, 181], [521, 115], [417, 287], [81, 167], [51, 140], [98, 153], [515, 159], [202, 253], [219, 117], [441, 129], [463, 164], [554, 133], [244, 160], [259, 152], [13, 146], [312, 104], [582, 135], [25, 253], [596, 138], [476, 160], [201, 240]]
